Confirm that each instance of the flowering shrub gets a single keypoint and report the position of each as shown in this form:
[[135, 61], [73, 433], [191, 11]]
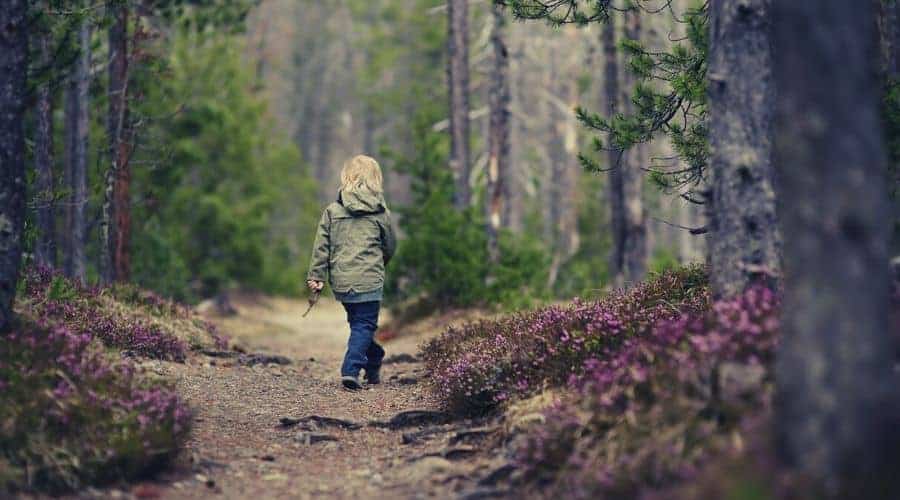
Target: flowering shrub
[[122, 317], [483, 364], [653, 409], [70, 415]]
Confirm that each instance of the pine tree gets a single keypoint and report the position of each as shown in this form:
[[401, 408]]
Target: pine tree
[[45, 220], [632, 238], [116, 223], [458, 83], [77, 125], [498, 138]]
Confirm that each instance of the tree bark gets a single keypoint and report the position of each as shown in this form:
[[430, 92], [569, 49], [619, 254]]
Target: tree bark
[[743, 244], [458, 83], [116, 223], [45, 217], [498, 139], [517, 179], [887, 34], [836, 399], [13, 70], [634, 230], [615, 164], [77, 142], [561, 191]]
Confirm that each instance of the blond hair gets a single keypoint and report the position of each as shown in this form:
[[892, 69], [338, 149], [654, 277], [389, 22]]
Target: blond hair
[[361, 171]]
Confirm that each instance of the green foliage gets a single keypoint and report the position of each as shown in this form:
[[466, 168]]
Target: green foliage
[[670, 98], [231, 202], [559, 12], [581, 275], [663, 259], [60, 289], [890, 112], [443, 258], [219, 197]]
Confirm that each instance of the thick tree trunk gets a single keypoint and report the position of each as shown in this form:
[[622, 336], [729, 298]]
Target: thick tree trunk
[[116, 223], [836, 399], [77, 141], [743, 244], [634, 230], [498, 139], [615, 163], [458, 83], [13, 70], [45, 218]]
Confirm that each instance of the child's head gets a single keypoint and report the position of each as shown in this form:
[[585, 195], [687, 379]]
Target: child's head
[[361, 171]]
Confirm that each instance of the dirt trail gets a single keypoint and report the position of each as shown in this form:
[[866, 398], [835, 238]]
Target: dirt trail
[[240, 450]]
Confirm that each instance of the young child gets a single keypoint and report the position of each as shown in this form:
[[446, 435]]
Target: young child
[[354, 242]]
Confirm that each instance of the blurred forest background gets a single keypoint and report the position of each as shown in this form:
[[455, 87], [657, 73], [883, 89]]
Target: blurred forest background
[[534, 150], [236, 117]]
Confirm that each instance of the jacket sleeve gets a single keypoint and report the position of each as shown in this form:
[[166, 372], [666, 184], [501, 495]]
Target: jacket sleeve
[[388, 238], [318, 263]]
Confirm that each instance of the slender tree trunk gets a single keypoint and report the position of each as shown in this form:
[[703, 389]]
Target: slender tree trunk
[[116, 223], [837, 400], [64, 236], [569, 170], [615, 186], [78, 142], [498, 139], [743, 244], [458, 83], [13, 70], [894, 17], [561, 218], [45, 246], [518, 131], [634, 230]]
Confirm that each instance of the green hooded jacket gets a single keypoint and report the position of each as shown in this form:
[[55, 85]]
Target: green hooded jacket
[[354, 242]]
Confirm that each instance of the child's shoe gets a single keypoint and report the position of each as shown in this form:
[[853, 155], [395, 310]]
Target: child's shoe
[[373, 376], [351, 383]]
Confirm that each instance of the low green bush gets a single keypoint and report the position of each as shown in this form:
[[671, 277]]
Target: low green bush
[[443, 257]]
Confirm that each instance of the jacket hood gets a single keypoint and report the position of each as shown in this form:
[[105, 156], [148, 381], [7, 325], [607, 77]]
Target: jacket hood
[[362, 201]]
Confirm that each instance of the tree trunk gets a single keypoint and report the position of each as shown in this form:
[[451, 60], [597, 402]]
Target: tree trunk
[[13, 70], [561, 218], [836, 399], [743, 244], [615, 165], [518, 177], [45, 218], [498, 139], [77, 142], [116, 224], [887, 27], [634, 230], [458, 83]]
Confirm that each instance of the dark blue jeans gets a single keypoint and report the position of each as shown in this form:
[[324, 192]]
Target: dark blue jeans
[[362, 350]]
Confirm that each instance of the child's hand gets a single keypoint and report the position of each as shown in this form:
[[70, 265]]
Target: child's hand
[[315, 286]]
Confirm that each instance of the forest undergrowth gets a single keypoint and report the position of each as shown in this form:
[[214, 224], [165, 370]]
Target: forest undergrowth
[[637, 392], [75, 407]]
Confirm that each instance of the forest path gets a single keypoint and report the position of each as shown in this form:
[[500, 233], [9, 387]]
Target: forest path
[[239, 448]]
